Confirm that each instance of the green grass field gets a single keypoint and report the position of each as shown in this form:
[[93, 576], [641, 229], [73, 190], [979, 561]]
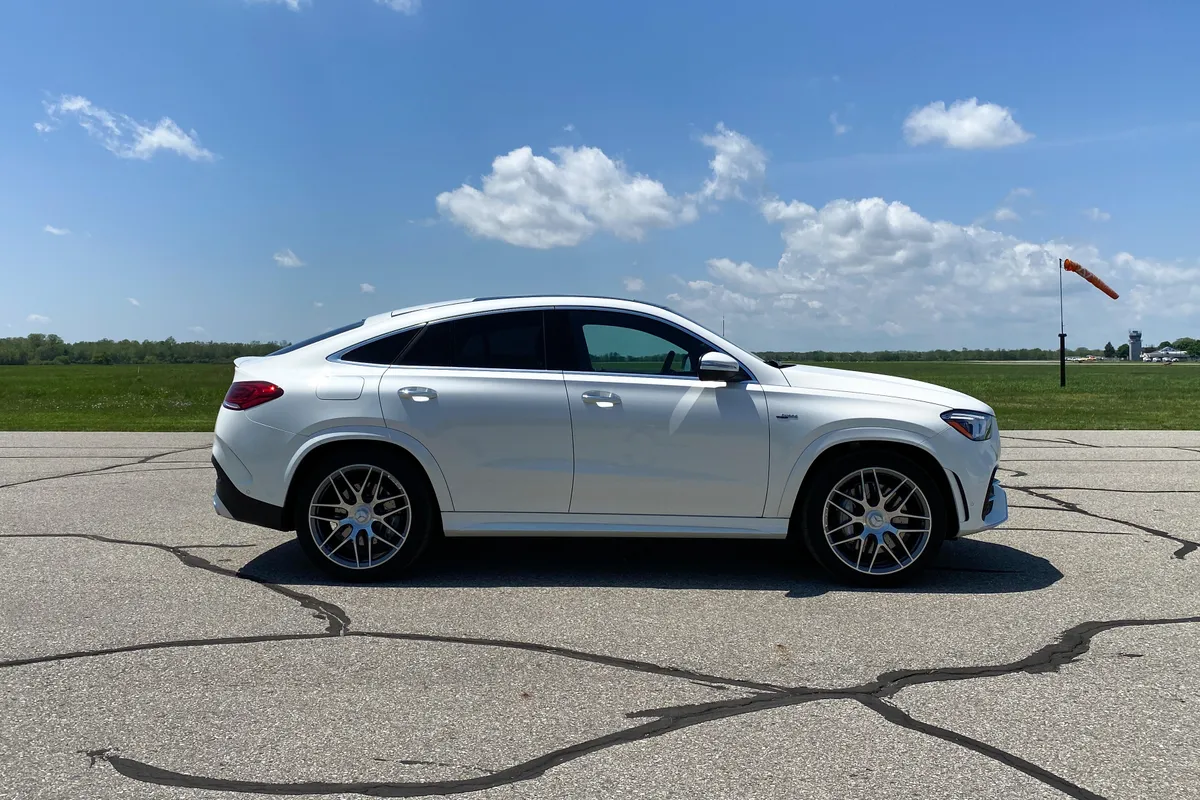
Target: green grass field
[[185, 397]]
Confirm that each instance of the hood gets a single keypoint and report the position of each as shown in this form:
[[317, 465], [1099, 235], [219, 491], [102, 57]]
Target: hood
[[844, 380]]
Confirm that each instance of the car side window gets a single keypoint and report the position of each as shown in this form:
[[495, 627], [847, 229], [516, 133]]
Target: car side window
[[514, 340], [632, 344], [383, 351]]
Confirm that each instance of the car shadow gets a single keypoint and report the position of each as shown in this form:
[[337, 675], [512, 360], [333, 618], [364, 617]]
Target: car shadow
[[963, 566]]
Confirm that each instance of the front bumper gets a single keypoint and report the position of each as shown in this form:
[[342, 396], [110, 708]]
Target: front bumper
[[997, 514], [231, 503]]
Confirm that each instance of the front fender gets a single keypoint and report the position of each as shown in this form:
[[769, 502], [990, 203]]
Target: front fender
[[815, 448], [386, 435]]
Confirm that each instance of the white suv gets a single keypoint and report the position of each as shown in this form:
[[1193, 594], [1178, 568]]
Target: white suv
[[589, 416]]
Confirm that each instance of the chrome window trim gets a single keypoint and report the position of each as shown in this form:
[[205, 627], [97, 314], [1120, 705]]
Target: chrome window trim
[[336, 357], [693, 334], [454, 318]]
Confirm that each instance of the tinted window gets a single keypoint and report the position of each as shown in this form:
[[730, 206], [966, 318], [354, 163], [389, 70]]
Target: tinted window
[[318, 338], [500, 341], [609, 341], [383, 351], [431, 349], [495, 341]]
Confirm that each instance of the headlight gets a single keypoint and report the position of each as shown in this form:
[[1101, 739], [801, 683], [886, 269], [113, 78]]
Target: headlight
[[974, 425]]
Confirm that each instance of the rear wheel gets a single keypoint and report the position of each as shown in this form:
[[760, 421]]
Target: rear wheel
[[362, 517], [873, 518]]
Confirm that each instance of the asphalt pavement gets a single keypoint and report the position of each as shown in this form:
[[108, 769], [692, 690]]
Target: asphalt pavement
[[150, 649]]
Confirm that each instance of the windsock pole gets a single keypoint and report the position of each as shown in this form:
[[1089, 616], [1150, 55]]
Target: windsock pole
[[1062, 332]]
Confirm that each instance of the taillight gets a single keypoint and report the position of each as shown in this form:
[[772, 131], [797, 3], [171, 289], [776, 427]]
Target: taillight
[[248, 394]]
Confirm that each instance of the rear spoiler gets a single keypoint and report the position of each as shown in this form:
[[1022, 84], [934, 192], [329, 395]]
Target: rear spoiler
[[242, 361]]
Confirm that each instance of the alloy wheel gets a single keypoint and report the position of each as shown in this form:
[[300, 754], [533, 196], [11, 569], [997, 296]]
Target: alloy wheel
[[360, 516], [876, 521]]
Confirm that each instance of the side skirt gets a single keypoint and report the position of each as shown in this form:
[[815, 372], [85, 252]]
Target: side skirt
[[467, 523]]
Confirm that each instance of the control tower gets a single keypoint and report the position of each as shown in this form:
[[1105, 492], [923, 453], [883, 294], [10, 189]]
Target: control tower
[[1135, 345]]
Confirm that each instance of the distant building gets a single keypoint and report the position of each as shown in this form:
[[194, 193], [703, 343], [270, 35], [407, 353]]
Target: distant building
[[1135, 345], [1167, 353]]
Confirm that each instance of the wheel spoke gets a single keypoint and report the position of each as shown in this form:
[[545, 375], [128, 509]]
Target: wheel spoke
[[401, 536], [846, 541], [839, 527], [900, 539], [341, 544], [874, 556], [888, 547], [849, 497], [335, 533], [341, 520], [896, 491], [389, 544], [878, 487]]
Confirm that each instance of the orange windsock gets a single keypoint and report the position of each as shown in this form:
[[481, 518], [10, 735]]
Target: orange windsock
[[1071, 266]]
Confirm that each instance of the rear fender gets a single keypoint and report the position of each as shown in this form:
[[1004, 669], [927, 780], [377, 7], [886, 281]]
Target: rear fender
[[383, 435]]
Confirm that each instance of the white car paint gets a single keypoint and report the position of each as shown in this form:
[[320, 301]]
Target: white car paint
[[591, 453]]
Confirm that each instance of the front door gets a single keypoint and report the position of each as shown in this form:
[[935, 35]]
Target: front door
[[650, 436], [476, 393]]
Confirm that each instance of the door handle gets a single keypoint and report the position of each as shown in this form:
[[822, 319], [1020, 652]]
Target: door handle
[[421, 394], [601, 399]]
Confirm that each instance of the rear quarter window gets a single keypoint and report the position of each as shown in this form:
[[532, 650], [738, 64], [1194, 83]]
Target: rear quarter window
[[319, 337]]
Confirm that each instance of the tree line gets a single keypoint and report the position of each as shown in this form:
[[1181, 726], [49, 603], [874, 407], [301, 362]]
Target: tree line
[[48, 348], [39, 348]]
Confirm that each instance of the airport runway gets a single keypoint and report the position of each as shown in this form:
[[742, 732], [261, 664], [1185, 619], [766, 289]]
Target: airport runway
[[149, 649]]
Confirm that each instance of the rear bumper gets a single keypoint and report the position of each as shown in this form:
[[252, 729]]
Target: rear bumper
[[231, 503]]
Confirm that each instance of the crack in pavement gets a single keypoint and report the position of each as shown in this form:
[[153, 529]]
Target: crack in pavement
[[95, 470], [338, 621], [1070, 646], [874, 695], [1187, 545]]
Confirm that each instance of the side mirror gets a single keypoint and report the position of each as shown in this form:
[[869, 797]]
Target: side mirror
[[719, 367]]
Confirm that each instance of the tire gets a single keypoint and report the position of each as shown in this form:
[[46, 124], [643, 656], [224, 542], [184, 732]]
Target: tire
[[855, 553], [348, 482]]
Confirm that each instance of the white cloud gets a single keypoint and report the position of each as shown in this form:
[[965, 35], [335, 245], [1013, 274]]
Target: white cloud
[[737, 160], [838, 127], [533, 201], [569, 127], [366, 288], [318, 304], [1005, 214], [286, 258], [37, 319], [292, 5], [1096, 215], [424, 222], [122, 135], [633, 284], [855, 268], [133, 301], [53, 231], [196, 329], [403, 6], [965, 125]]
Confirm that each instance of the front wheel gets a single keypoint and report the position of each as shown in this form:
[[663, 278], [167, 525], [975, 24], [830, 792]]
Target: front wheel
[[873, 518], [362, 517]]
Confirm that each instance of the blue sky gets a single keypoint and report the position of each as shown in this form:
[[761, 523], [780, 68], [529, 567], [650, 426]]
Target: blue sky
[[340, 134]]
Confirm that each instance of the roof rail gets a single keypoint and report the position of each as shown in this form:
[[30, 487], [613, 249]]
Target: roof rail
[[424, 306]]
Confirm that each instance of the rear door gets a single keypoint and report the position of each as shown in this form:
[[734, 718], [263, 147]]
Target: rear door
[[650, 436], [475, 391]]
